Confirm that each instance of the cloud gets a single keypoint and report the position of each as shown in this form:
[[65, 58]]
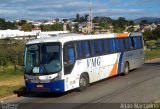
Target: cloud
[[39, 9]]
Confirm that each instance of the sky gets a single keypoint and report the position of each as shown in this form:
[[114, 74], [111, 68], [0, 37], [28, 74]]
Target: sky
[[51, 9]]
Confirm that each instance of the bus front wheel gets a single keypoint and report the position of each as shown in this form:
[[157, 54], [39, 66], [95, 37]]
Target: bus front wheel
[[83, 82]]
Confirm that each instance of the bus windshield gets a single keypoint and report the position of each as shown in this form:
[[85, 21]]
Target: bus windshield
[[42, 58]]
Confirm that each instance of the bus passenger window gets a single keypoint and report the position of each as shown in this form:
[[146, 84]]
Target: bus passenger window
[[86, 49], [93, 49], [121, 42], [109, 46], [138, 42], [99, 48], [71, 55], [117, 43], [128, 43], [79, 50], [82, 49]]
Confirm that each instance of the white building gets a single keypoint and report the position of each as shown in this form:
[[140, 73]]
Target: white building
[[16, 34], [51, 22], [37, 24], [51, 33], [21, 35]]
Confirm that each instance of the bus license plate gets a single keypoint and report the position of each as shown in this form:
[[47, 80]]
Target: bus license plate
[[40, 86]]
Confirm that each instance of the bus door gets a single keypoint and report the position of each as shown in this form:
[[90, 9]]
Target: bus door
[[68, 58]]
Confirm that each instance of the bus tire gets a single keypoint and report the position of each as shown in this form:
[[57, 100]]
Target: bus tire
[[83, 82], [126, 68]]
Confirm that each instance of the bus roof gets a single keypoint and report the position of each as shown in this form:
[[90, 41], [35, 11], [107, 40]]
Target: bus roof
[[75, 37]]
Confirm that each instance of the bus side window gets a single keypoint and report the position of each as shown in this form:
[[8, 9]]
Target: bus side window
[[69, 57], [109, 46], [121, 43], [106, 46], [141, 42], [129, 43], [93, 49], [82, 49], [86, 51], [137, 42], [99, 48], [79, 50], [117, 43], [112, 45]]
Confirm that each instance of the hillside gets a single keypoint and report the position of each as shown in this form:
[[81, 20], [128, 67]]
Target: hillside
[[149, 20]]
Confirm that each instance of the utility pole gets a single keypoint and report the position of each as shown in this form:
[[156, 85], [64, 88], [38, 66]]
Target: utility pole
[[90, 14]]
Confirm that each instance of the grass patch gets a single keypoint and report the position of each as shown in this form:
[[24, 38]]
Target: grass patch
[[152, 54], [9, 73], [11, 81], [6, 90]]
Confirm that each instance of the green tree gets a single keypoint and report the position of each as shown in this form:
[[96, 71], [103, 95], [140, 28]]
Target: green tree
[[11, 49], [156, 33], [10, 25], [2, 23], [7, 25], [147, 35], [46, 28], [151, 44], [130, 29], [22, 22], [86, 17], [158, 42], [143, 22], [102, 19], [76, 28], [77, 18], [104, 25], [3, 59], [65, 20], [58, 27], [81, 19], [27, 27], [131, 22]]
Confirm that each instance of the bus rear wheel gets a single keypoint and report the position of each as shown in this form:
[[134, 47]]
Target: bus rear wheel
[[83, 82], [126, 68]]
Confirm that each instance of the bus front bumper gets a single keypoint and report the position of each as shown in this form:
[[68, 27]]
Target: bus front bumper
[[56, 86]]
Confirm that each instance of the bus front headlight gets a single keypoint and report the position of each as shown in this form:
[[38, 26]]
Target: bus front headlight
[[58, 77]]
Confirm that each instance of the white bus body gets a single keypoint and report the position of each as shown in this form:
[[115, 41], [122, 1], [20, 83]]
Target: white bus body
[[82, 59]]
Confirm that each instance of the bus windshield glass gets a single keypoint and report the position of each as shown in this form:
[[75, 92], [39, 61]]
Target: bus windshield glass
[[42, 58]]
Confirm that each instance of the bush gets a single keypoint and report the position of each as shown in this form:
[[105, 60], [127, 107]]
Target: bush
[[158, 43], [10, 52], [151, 44]]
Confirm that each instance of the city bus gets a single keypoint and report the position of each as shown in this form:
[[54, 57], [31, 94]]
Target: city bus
[[65, 62]]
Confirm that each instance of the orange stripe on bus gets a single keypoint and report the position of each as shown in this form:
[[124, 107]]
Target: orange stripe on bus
[[114, 70], [122, 35]]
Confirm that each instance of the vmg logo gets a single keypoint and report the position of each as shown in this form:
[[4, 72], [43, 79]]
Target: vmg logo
[[94, 62]]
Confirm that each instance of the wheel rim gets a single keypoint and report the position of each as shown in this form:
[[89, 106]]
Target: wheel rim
[[126, 68], [83, 82]]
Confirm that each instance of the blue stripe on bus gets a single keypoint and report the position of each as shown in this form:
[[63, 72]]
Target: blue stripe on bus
[[56, 86], [120, 63]]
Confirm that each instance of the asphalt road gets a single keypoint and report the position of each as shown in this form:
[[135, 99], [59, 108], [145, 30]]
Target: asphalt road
[[139, 86]]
